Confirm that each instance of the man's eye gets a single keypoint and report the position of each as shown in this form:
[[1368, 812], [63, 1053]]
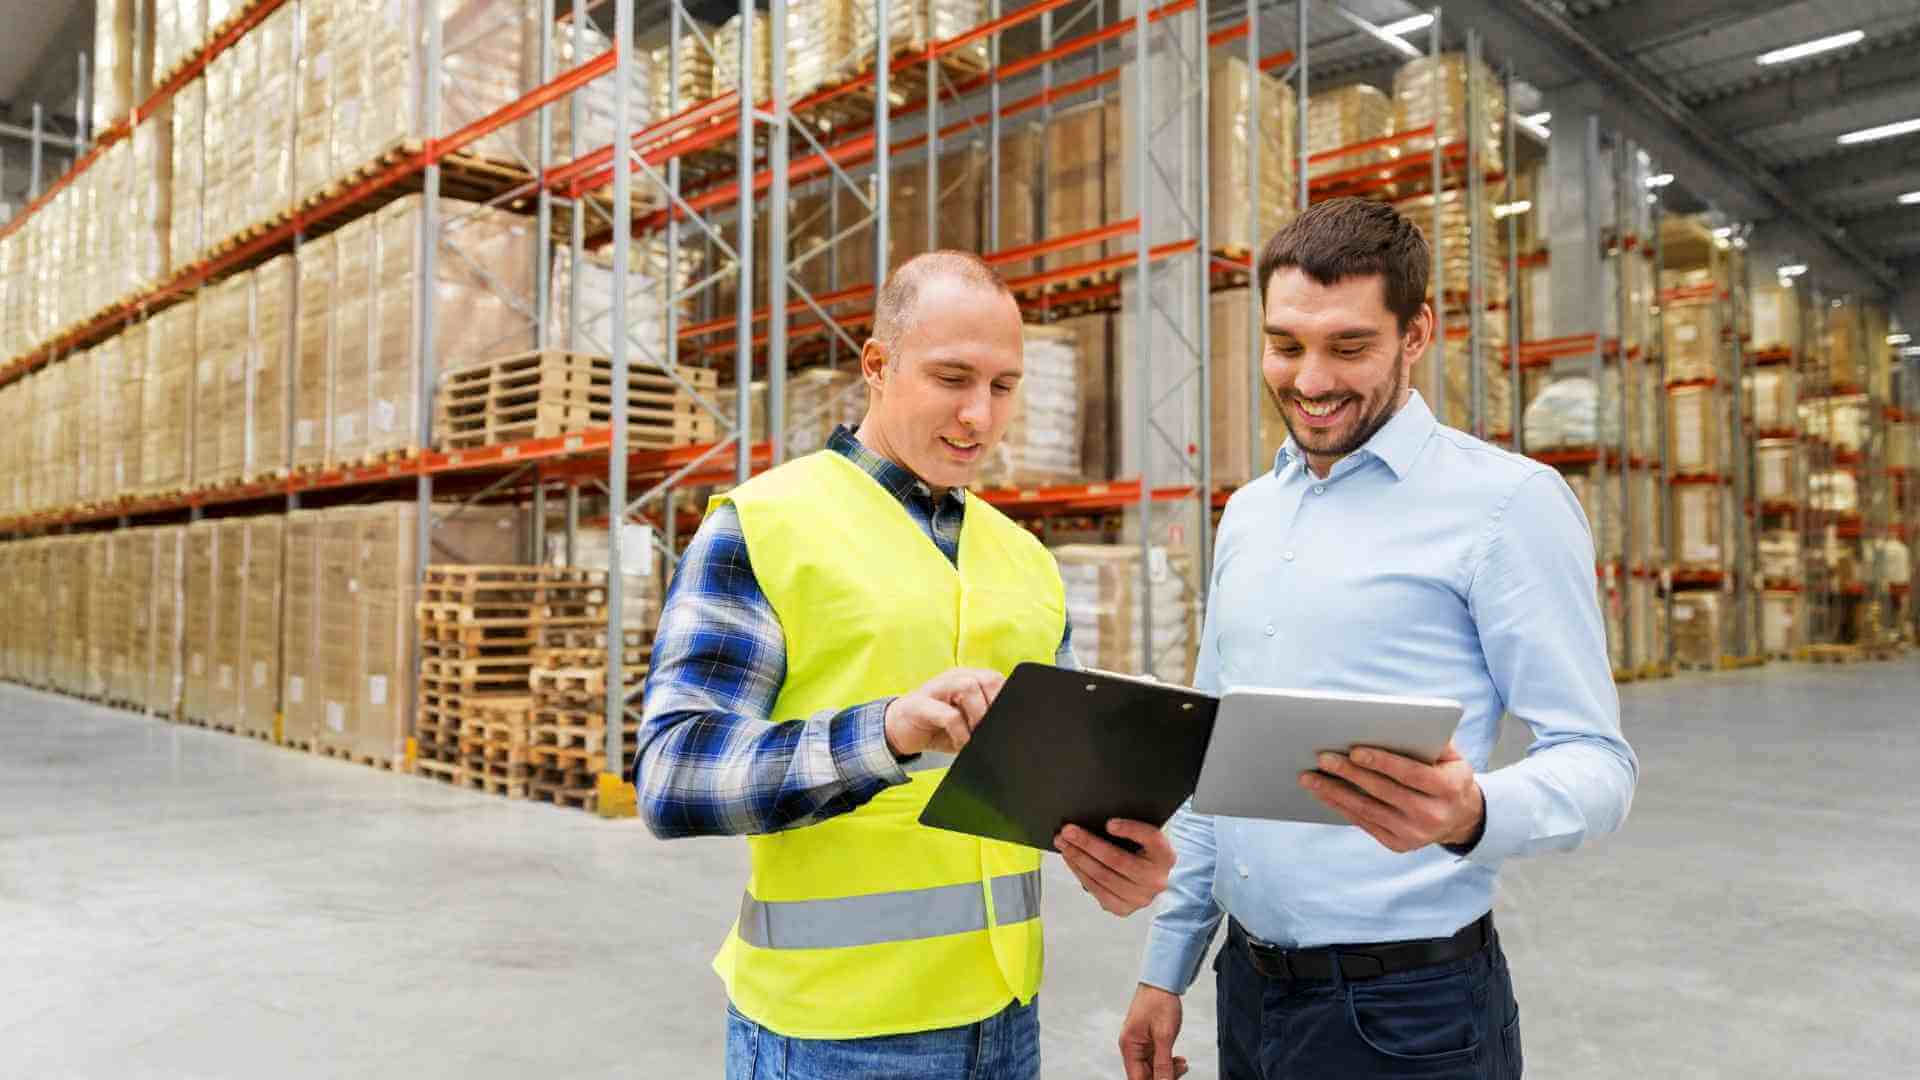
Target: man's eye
[[953, 380], [1350, 353], [1002, 389]]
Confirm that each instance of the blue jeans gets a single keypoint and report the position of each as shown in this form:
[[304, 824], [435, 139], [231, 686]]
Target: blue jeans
[[1456, 1020], [1004, 1046]]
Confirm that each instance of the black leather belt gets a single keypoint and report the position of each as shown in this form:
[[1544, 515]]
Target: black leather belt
[[1359, 962]]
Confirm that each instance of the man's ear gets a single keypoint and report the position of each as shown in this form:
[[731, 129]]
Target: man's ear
[[873, 364], [1419, 333]]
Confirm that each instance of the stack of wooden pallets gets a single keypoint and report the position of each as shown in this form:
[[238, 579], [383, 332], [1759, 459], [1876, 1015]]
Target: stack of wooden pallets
[[568, 734], [479, 627], [545, 394]]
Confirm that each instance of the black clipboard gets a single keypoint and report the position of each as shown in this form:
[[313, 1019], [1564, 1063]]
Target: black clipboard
[[1115, 747]]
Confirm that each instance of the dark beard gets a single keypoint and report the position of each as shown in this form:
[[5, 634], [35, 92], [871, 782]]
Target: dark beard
[[1368, 428]]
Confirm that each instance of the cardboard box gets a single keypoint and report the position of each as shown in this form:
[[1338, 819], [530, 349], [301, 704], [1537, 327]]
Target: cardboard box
[[1093, 343], [105, 615], [1698, 516], [1081, 190], [1697, 629], [1235, 224], [1238, 454], [200, 621], [1041, 445], [1776, 319], [1693, 431], [312, 419], [1772, 399], [1103, 606], [1777, 470], [1692, 336], [1346, 117], [1780, 623], [168, 395], [1414, 93]]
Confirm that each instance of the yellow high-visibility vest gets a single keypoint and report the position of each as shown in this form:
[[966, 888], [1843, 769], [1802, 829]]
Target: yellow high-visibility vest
[[870, 923]]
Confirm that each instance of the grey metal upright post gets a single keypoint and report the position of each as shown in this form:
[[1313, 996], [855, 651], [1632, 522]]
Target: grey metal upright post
[[39, 121], [577, 219], [743, 291], [543, 159], [1256, 315], [933, 138], [672, 287], [1203, 262], [1437, 369], [1741, 466], [573, 520], [1302, 46], [882, 136], [777, 240], [1143, 324], [1516, 391], [1473, 199], [423, 298], [82, 115], [1625, 194], [993, 132], [616, 703], [538, 531], [1666, 465]]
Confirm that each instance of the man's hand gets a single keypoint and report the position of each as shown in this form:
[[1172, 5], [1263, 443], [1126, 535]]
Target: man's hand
[[1122, 882], [1403, 803], [941, 715], [1147, 1034]]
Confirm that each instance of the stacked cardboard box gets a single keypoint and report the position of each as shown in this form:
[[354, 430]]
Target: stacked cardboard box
[[1103, 585], [1696, 629], [1772, 399], [168, 394], [818, 400], [300, 643], [200, 621], [1693, 431], [227, 662], [267, 427], [1457, 226], [726, 57], [153, 637], [32, 578], [1235, 399], [122, 363], [123, 44], [258, 698], [1236, 222], [1777, 555], [1692, 335], [67, 614], [1780, 623], [591, 109], [1020, 170], [695, 76], [1698, 517], [1346, 117], [227, 128], [187, 227], [1092, 342], [1415, 96], [1081, 190], [179, 26], [915, 25], [1776, 319], [223, 381], [820, 44], [1041, 445], [104, 615], [1599, 495], [1777, 470], [312, 377]]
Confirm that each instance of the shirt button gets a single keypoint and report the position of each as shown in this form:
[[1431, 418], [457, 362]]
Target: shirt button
[[1270, 630], [1242, 867], [1319, 489], [1287, 555]]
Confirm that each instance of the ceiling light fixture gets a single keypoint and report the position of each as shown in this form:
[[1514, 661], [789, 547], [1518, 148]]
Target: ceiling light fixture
[[1911, 198], [1793, 270], [1520, 206], [1811, 48], [1537, 124], [1899, 339], [1660, 180], [1408, 25], [1723, 232], [1884, 131]]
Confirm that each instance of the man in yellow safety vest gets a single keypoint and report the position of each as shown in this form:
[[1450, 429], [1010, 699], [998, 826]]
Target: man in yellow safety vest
[[835, 631]]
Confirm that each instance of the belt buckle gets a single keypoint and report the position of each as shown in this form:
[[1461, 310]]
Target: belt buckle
[[1269, 960]]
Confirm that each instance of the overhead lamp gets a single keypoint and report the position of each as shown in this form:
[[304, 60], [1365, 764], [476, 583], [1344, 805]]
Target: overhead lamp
[[1911, 350], [1408, 25], [1898, 338], [1519, 206], [1723, 232], [1537, 123], [1792, 270], [1911, 198], [1810, 48], [1884, 131], [1660, 180]]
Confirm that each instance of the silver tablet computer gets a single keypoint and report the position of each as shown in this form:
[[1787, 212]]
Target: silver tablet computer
[[1264, 739]]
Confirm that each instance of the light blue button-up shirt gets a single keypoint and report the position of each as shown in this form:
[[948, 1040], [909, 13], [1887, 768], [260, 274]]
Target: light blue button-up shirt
[[1427, 563]]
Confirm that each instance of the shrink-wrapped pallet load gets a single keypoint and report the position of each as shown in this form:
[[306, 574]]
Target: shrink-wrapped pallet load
[[1234, 222], [1021, 145], [102, 616], [187, 229], [222, 380], [1082, 173], [1776, 319], [1414, 99], [1457, 226], [228, 129], [1041, 445], [916, 24], [312, 377], [1103, 585], [1780, 623], [726, 57], [1692, 337], [273, 99], [200, 620], [227, 664], [1772, 399], [695, 71], [1777, 555], [260, 630], [179, 27], [1696, 628], [300, 642], [380, 82], [1239, 452], [1347, 117], [122, 69], [81, 430], [150, 200], [167, 399], [1693, 431], [1776, 470], [267, 414], [122, 376], [820, 43], [1698, 515]]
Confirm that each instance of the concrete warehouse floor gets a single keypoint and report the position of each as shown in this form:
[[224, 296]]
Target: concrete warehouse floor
[[175, 902]]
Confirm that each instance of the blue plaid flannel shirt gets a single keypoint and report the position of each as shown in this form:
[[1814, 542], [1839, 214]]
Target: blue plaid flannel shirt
[[713, 761]]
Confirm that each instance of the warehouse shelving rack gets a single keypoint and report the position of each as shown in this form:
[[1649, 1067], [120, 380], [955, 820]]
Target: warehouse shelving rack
[[679, 158]]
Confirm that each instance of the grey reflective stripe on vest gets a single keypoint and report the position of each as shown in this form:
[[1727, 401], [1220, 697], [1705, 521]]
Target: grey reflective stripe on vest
[[879, 918]]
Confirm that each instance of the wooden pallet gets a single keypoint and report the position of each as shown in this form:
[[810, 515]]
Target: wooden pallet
[[564, 789], [339, 753], [446, 772], [1832, 654], [549, 393]]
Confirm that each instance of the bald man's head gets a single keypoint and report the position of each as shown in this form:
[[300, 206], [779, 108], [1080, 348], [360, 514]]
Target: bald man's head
[[893, 313]]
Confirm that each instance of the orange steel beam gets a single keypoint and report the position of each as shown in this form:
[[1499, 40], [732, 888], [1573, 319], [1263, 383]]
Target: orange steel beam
[[1370, 144]]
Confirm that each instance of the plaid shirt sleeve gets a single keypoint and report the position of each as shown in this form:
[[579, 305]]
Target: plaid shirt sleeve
[[713, 761]]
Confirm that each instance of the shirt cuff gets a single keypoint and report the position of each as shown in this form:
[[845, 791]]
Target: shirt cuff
[[858, 736], [1173, 958], [1507, 828]]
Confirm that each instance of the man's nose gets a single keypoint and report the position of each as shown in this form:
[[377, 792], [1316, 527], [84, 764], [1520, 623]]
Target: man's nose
[[977, 411], [1315, 377]]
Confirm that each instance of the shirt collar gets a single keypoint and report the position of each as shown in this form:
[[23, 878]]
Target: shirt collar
[[1396, 444], [899, 480]]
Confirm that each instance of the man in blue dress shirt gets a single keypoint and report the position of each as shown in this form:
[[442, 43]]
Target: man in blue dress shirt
[[1385, 553]]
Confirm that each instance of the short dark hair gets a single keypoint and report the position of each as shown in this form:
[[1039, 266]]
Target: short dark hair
[[893, 310], [1347, 238]]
